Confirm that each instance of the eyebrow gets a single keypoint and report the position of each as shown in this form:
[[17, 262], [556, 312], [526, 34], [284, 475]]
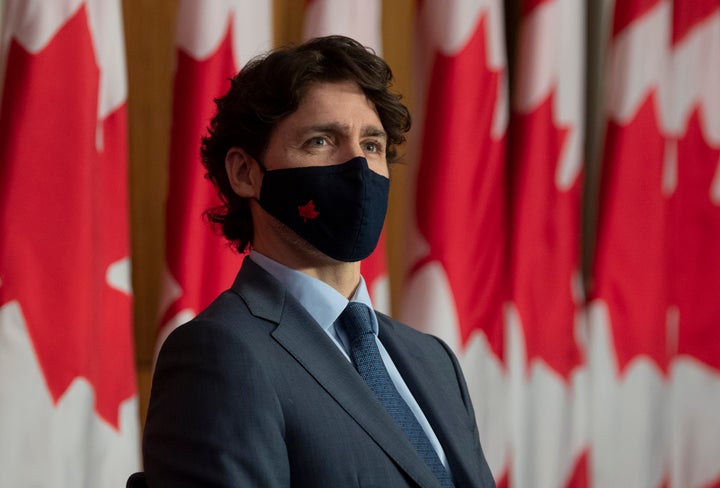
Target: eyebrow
[[337, 128]]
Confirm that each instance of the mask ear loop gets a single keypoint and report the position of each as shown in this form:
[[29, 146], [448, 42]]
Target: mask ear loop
[[263, 170], [261, 165]]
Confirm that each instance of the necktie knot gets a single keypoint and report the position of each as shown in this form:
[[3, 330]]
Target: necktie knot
[[356, 321]]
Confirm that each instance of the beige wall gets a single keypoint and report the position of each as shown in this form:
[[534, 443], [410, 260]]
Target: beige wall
[[149, 37]]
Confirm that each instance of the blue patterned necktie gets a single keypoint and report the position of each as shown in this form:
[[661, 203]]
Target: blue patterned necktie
[[356, 322]]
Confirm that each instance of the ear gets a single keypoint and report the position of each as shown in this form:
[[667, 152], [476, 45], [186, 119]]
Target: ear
[[243, 172]]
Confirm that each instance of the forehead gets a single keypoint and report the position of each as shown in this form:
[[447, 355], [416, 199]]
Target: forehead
[[342, 102]]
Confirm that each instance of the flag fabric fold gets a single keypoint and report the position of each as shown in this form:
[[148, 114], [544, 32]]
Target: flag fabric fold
[[456, 283], [548, 373], [213, 40], [68, 401]]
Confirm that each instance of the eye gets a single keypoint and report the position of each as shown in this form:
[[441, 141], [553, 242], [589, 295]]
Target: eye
[[316, 142], [372, 146]]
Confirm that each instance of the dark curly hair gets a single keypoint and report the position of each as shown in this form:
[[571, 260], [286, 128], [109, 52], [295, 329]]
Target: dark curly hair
[[268, 89]]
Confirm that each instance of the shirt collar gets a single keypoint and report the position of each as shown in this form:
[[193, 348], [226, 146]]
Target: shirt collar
[[323, 302]]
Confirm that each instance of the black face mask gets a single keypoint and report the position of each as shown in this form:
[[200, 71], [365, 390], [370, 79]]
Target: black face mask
[[339, 209]]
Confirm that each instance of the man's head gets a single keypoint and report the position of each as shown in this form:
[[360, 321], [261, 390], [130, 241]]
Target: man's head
[[271, 88]]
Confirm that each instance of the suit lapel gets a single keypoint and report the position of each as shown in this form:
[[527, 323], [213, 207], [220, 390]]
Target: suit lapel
[[309, 345], [447, 418]]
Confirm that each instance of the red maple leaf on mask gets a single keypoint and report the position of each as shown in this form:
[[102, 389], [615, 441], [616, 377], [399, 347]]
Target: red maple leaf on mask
[[308, 211]]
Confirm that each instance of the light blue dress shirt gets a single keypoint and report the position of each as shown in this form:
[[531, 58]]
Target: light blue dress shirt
[[325, 304]]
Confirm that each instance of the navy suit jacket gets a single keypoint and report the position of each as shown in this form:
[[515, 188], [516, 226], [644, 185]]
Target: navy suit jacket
[[253, 393]]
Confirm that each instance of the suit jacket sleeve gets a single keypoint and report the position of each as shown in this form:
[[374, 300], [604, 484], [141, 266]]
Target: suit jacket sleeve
[[486, 474], [201, 428]]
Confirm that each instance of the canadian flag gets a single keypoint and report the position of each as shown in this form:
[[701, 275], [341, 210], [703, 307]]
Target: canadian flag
[[654, 337], [213, 40], [361, 20], [68, 401], [545, 360], [457, 283]]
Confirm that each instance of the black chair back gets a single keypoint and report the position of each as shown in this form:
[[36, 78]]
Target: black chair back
[[136, 480]]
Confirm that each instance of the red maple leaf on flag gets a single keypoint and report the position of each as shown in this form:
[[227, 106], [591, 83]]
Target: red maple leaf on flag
[[199, 260], [650, 255], [630, 262], [629, 12], [688, 14], [308, 211], [545, 240], [460, 197], [694, 242], [64, 217]]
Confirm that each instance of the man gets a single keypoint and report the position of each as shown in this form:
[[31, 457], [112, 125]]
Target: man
[[290, 378]]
